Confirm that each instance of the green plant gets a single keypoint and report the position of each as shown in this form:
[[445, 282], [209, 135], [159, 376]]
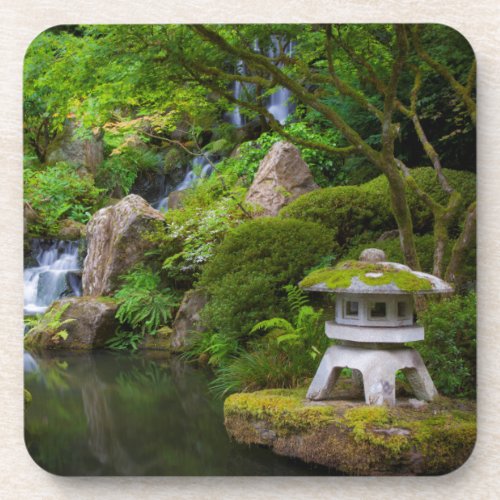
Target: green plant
[[449, 348], [426, 179], [124, 340], [246, 275], [119, 171], [348, 211], [57, 192], [142, 303], [284, 357], [50, 322]]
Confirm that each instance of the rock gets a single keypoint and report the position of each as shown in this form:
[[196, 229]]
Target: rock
[[92, 323], [175, 199], [187, 319], [70, 230], [372, 255], [352, 438], [30, 216], [116, 242], [389, 235], [282, 177], [82, 152], [161, 341]]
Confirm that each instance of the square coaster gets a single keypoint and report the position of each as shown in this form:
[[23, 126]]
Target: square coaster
[[250, 249]]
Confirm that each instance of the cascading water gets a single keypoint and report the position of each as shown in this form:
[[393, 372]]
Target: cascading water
[[279, 103], [57, 273], [199, 168]]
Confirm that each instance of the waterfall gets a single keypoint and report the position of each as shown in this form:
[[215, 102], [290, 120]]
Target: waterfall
[[56, 274], [235, 117], [279, 104], [199, 169]]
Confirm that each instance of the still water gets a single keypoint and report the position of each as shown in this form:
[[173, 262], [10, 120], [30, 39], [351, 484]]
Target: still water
[[144, 414]]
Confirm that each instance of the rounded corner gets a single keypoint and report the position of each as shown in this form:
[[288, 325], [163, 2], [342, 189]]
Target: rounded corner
[[464, 463]]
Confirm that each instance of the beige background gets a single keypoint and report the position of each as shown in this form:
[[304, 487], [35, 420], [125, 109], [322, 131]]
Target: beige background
[[21, 20]]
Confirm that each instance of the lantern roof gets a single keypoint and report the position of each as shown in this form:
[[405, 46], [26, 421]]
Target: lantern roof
[[371, 275]]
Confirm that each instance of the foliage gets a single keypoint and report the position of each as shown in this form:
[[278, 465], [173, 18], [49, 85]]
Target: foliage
[[284, 357], [349, 211], [143, 304], [426, 179], [58, 192], [256, 259], [124, 340], [50, 322], [449, 348], [119, 171], [195, 229]]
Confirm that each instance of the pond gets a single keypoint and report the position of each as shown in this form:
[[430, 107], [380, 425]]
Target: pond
[[134, 414]]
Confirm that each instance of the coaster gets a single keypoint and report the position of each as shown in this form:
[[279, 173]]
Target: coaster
[[250, 250]]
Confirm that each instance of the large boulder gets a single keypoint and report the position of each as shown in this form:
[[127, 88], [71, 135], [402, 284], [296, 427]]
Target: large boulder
[[115, 237], [187, 319], [282, 177], [88, 321]]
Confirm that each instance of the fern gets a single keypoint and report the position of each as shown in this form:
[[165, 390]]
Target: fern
[[296, 298], [143, 305], [50, 322], [123, 340]]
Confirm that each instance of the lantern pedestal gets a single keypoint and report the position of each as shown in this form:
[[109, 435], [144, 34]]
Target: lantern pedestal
[[378, 368]]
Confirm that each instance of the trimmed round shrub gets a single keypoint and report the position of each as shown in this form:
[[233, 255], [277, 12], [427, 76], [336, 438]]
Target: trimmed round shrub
[[425, 177], [349, 211], [449, 348], [364, 212], [245, 277]]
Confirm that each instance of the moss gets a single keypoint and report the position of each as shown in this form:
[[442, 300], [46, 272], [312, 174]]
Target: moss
[[341, 276], [354, 438]]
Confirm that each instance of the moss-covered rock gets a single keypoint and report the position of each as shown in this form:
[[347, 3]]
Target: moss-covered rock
[[161, 341], [350, 437], [27, 397], [74, 323]]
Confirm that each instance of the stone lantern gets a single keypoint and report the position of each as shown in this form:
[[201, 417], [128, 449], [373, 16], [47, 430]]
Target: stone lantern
[[373, 321]]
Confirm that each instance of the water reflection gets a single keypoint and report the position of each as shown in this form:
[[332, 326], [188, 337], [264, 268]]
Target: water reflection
[[115, 414]]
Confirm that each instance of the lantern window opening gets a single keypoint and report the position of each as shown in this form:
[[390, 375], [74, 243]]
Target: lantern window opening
[[377, 310], [403, 310], [351, 309]]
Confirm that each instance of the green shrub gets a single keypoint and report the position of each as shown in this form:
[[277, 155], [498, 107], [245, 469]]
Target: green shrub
[[58, 192], [363, 212], [425, 177], [449, 348], [245, 277], [349, 211]]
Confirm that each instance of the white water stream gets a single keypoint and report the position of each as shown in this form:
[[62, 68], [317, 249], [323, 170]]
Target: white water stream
[[56, 274]]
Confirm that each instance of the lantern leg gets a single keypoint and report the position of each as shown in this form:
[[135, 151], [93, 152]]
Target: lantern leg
[[420, 381], [326, 375]]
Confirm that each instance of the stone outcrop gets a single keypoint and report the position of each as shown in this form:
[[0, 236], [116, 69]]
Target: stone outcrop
[[115, 237], [70, 230], [187, 319], [352, 438], [91, 323], [84, 152], [175, 199], [282, 177]]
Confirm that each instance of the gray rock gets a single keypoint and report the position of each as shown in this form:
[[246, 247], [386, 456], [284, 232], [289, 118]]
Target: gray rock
[[187, 319], [372, 255], [175, 199], [93, 323], [116, 242], [88, 152], [282, 177]]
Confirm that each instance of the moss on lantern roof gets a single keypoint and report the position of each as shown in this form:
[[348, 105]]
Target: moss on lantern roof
[[347, 275]]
